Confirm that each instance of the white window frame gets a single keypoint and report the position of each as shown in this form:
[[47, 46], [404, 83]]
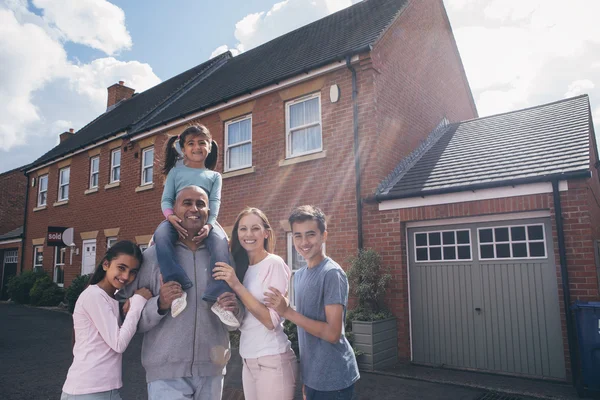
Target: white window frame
[[143, 246], [229, 147], [38, 267], [110, 241], [146, 167], [43, 178], [114, 166], [57, 252], [95, 172], [62, 184], [456, 245], [511, 242], [288, 130]]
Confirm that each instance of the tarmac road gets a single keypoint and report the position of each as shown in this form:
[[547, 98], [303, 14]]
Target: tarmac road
[[35, 354]]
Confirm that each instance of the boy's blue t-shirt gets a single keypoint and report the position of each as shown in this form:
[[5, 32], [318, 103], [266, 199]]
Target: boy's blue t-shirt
[[325, 366], [182, 176]]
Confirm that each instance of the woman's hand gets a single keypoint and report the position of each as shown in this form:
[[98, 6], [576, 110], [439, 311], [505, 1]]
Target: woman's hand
[[144, 292], [225, 272], [176, 222]]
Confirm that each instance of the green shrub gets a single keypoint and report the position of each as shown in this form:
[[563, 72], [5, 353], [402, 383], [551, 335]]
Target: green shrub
[[368, 281], [234, 339], [291, 330], [46, 293], [19, 286], [73, 292]]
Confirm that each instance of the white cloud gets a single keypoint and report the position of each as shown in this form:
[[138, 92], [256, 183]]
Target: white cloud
[[42, 93], [260, 27], [579, 87], [95, 23]]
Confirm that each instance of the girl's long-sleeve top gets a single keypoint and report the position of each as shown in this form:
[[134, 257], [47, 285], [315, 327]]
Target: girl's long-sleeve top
[[100, 341], [182, 176]]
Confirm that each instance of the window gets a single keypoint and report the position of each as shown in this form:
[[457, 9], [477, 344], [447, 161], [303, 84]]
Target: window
[[115, 166], [303, 126], [238, 143], [518, 241], [59, 265], [42, 190], [443, 245], [94, 171], [38, 258], [110, 242], [143, 247], [63, 184], [147, 165], [11, 256]]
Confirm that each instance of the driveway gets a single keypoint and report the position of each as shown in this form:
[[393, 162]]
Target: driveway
[[35, 354]]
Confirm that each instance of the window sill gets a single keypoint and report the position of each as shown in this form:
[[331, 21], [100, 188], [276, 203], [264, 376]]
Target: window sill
[[61, 203], [40, 208], [300, 159], [112, 185], [144, 187], [90, 191], [238, 172]]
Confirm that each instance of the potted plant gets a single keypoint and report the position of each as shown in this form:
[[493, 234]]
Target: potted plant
[[374, 327]]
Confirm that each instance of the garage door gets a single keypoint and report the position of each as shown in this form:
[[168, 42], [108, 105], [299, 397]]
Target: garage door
[[484, 296]]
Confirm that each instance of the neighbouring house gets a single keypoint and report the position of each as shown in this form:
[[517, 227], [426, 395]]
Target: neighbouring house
[[320, 115], [492, 227], [12, 210]]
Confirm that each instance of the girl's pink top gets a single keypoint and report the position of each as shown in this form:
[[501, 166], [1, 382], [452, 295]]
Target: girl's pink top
[[100, 341]]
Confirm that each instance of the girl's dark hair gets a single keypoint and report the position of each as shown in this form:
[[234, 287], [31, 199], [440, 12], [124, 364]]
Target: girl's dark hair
[[240, 257], [122, 247], [171, 155]]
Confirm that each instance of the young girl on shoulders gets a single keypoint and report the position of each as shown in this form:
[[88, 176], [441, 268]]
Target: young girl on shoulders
[[270, 365], [100, 339], [200, 154]]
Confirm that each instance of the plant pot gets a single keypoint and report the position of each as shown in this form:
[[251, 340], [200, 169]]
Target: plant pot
[[378, 343]]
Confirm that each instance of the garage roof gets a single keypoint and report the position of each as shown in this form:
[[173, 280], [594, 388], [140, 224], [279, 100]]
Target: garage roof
[[533, 144]]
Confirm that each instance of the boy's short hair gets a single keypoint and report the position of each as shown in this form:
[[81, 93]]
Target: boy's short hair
[[308, 213]]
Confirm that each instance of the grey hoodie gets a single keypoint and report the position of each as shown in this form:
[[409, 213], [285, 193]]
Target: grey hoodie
[[196, 342]]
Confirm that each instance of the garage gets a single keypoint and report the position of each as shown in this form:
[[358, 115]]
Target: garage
[[484, 296]]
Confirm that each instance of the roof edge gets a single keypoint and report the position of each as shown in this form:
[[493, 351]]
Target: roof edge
[[583, 174]]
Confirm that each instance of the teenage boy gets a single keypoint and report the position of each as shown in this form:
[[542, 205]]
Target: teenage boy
[[329, 369]]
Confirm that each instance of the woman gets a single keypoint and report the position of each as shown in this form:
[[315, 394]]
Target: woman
[[270, 365]]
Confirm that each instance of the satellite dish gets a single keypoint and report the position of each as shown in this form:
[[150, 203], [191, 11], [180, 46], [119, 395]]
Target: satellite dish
[[67, 237]]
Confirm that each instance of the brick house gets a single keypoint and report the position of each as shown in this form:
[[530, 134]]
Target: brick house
[[12, 210], [320, 115], [493, 228]]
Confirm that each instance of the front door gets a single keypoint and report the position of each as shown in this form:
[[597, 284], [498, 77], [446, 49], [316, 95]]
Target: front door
[[9, 269], [89, 257]]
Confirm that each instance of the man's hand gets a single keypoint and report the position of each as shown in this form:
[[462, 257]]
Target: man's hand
[[168, 292], [277, 301], [176, 222], [202, 234], [228, 302]]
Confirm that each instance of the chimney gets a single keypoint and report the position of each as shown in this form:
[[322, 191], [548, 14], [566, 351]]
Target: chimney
[[67, 134], [116, 93]]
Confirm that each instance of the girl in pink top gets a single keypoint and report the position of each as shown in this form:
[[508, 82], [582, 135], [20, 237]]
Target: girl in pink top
[[270, 365], [100, 339]]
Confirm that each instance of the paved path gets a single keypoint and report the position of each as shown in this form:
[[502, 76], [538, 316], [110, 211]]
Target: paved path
[[35, 354]]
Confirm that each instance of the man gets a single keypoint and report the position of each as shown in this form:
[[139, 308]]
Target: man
[[329, 369], [184, 357]]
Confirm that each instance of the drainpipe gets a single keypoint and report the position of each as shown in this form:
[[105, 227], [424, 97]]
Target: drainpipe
[[356, 154], [24, 225], [565, 280]]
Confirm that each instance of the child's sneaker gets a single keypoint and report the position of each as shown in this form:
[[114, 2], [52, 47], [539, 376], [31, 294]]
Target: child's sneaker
[[225, 316], [178, 305]]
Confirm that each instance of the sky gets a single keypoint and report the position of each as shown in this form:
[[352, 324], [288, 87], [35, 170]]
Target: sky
[[57, 57]]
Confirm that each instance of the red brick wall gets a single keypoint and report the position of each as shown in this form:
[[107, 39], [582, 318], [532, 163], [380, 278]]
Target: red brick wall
[[12, 200]]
